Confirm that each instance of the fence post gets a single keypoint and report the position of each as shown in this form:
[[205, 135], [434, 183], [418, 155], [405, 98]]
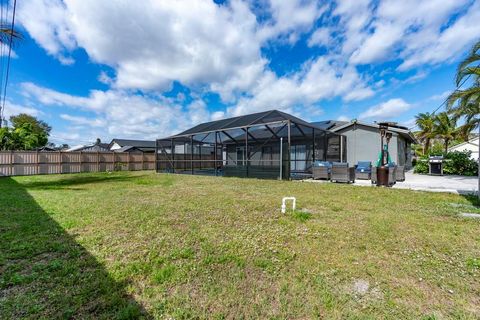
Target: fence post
[[12, 161], [128, 161], [98, 161], [37, 160], [80, 161], [113, 155], [59, 162], [143, 161]]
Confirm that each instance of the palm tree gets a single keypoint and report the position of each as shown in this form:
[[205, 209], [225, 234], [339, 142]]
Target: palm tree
[[445, 128], [426, 123], [466, 103]]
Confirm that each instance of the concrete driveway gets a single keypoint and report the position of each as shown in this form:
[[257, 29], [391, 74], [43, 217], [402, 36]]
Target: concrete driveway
[[453, 184]]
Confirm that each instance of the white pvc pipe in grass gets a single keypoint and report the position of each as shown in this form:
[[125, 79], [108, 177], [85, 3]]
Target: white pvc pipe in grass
[[284, 204]]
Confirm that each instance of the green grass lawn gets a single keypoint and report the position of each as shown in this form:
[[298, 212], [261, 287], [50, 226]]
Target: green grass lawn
[[130, 245]]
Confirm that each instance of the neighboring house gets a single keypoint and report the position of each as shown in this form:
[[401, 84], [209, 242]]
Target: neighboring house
[[127, 149], [142, 145], [46, 149], [363, 141], [97, 147], [471, 145]]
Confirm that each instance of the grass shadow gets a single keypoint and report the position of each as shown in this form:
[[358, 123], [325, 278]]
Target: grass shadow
[[70, 180], [473, 199], [45, 273]]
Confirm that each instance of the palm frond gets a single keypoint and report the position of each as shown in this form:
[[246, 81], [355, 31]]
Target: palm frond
[[6, 33], [473, 57]]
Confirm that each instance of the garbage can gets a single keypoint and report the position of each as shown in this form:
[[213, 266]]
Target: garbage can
[[382, 176]]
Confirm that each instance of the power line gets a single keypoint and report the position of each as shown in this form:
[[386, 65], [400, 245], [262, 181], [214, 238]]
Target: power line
[[446, 99], [2, 54], [8, 58]]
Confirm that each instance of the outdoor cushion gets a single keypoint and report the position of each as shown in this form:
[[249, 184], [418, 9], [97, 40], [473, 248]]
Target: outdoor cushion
[[322, 164], [364, 166], [340, 164]]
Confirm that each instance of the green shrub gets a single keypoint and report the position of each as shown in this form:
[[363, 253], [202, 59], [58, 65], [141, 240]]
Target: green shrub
[[421, 166], [457, 162]]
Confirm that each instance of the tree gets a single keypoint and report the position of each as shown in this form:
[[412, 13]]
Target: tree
[[465, 103], [25, 138], [38, 126], [426, 123], [445, 128], [27, 133]]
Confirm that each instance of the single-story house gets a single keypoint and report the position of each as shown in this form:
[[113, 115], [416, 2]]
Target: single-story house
[[142, 145], [274, 144], [269, 144], [471, 145], [128, 149], [96, 147], [364, 144]]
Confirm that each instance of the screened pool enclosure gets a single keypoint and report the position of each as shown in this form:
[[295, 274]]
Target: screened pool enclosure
[[270, 144]]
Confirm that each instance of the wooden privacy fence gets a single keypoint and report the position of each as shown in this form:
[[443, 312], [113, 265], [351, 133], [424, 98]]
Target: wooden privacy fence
[[21, 163]]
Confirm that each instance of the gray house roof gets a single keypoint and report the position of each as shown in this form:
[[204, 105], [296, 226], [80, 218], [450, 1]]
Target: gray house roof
[[403, 131], [101, 147], [128, 149]]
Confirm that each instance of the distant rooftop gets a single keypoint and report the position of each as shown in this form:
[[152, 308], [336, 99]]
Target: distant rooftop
[[133, 143]]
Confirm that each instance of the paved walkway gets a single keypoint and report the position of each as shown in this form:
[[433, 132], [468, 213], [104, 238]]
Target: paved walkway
[[453, 184]]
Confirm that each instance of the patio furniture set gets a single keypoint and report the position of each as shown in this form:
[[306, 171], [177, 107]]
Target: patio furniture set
[[342, 172]]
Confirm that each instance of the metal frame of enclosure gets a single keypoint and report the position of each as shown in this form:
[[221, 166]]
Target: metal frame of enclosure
[[271, 145]]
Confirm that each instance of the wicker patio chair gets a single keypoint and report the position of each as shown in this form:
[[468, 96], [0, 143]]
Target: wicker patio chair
[[321, 170], [363, 170], [341, 172], [392, 174], [400, 173]]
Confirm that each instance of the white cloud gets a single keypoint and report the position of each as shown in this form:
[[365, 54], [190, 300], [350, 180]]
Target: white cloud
[[12, 109], [343, 118], [104, 78], [151, 43], [211, 47], [444, 45], [118, 113], [290, 18], [440, 97], [321, 37], [94, 122], [386, 110], [48, 23], [319, 79]]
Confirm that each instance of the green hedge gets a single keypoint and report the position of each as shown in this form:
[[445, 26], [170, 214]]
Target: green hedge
[[457, 162]]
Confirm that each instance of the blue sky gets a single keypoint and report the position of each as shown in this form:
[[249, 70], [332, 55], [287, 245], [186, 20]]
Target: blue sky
[[147, 69]]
